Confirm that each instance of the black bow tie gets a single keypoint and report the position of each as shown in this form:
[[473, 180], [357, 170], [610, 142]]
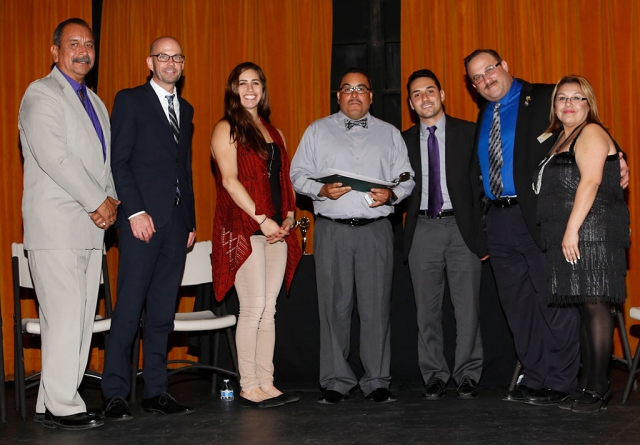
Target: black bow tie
[[351, 123]]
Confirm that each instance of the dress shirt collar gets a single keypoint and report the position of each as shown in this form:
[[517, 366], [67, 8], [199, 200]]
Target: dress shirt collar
[[340, 117], [161, 92], [512, 95], [75, 85], [424, 129]]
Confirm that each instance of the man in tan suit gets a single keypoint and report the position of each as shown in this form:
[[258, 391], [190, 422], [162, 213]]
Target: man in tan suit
[[68, 203]]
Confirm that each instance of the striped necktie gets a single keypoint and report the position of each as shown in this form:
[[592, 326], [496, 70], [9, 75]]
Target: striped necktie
[[495, 155], [173, 120]]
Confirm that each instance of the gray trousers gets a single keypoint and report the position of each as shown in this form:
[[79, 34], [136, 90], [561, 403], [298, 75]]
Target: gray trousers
[[345, 256], [438, 250]]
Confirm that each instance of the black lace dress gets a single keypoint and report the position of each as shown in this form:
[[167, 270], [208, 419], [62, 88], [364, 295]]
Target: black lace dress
[[599, 275]]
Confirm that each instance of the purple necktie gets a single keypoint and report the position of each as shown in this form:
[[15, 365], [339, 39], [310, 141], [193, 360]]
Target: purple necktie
[[435, 192], [86, 103]]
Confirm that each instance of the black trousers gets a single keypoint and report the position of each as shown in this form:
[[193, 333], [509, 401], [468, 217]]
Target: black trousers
[[149, 275], [546, 338]]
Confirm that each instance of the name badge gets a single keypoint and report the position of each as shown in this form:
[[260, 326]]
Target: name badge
[[544, 136]]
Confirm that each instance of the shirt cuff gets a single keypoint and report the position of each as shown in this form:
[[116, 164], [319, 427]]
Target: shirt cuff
[[136, 214]]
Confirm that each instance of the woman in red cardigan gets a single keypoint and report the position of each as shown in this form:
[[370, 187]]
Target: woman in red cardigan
[[254, 244]]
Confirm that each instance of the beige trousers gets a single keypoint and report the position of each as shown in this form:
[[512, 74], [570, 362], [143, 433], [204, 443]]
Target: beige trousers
[[66, 283], [258, 283]]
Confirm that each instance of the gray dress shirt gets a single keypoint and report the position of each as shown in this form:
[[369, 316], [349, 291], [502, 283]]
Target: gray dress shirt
[[377, 151]]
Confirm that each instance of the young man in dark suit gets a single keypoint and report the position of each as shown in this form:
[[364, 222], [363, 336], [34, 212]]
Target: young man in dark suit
[[151, 137], [443, 237], [510, 142]]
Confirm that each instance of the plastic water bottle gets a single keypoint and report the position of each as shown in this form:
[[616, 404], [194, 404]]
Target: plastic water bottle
[[226, 393]]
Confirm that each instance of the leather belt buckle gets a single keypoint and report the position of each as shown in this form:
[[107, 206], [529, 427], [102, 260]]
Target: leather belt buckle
[[353, 222], [505, 202], [442, 214]]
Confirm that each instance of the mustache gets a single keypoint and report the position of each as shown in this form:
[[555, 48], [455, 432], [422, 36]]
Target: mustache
[[82, 59], [489, 85]]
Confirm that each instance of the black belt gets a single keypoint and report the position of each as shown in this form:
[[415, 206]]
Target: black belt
[[353, 222], [505, 202], [442, 214]]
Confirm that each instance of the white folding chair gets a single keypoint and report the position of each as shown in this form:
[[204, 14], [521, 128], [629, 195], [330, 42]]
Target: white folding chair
[[31, 326], [197, 272]]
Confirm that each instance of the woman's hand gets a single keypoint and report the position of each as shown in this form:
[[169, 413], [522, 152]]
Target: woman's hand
[[271, 230], [570, 246]]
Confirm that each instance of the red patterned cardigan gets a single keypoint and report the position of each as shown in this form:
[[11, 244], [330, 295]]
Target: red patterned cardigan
[[232, 227]]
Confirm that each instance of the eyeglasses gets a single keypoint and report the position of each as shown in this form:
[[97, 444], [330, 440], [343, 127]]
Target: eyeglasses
[[574, 100], [177, 58], [359, 90], [478, 78]]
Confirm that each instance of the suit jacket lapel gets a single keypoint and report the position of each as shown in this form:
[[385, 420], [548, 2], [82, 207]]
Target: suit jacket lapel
[[522, 123], [451, 141], [160, 115], [415, 157], [78, 108]]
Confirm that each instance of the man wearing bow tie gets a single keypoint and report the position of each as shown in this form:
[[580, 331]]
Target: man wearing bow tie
[[353, 238]]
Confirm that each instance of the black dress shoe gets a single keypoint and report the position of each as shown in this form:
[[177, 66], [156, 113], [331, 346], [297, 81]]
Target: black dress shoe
[[79, 421], [568, 402], [468, 389], [118, 409], [436, 389], [267, 403], [39, 417], [331, 397], [592, 402], [381, 395], [546, 396], [518, 394], [287, 398], [165, 404]]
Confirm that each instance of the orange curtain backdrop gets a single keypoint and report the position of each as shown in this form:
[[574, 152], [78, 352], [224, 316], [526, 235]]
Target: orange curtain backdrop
[[541, 40], [27, 27], [289, 39]]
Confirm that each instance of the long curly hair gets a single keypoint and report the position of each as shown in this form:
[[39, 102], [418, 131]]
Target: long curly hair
[[243, 129]]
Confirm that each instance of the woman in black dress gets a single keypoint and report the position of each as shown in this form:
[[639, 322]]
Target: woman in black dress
[[585, 228]]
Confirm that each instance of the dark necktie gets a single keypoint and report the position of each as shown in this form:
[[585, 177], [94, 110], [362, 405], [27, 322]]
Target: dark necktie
[[81, 96], [349, 123], [173, 120], [495, 155], [435, 190]]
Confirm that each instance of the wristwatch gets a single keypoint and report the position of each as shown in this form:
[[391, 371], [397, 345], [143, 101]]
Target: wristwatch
[[392, 199]]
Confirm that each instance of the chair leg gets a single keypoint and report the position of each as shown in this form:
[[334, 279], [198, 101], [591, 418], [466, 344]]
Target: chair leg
[[232, 342], [22, 386], [624, 338], [516, 374], [632, 376], [216, 354]]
